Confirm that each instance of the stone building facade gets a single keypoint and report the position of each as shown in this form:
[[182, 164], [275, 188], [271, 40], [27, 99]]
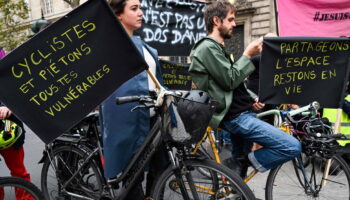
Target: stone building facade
[[52, 9], [254, 19]]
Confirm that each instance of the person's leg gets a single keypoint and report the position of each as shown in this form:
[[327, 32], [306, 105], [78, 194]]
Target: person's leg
[[237, 146], [225, 136], [239, 151], [278, 146], [158, 163], [14, 159], [136, 192], [2, 193]]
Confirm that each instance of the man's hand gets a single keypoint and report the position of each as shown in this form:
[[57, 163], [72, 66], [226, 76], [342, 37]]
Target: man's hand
[[257, 105], [253, 48], [4, 112], [293, 106]]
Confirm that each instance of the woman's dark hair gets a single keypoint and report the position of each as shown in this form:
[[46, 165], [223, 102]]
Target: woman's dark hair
[[218, 8], [117, 6]]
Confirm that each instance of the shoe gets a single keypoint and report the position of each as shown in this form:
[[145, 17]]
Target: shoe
[[240, 166]]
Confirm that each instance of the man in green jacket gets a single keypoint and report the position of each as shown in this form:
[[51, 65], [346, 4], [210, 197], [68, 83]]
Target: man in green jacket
[[213, 71]]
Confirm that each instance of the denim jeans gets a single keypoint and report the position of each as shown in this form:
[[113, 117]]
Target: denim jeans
[[225, 136], [278, 146]]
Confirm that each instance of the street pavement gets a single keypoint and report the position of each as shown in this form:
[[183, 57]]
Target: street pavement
[[33, 148]]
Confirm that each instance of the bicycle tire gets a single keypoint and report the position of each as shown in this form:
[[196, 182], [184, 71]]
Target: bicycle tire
[[27, 189], [282, 182], [167, 187], [205, 155], [66, 159]]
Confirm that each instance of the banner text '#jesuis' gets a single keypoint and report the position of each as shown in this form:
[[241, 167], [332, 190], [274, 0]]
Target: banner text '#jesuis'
[[314, 18]]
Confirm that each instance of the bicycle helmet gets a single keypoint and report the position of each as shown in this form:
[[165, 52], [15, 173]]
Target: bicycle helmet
[[195, 109], [9, 133]]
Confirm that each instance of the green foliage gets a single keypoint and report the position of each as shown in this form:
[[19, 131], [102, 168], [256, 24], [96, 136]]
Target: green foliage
[[73, 3], [13, 16]]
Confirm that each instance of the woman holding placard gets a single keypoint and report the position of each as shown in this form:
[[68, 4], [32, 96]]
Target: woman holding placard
[[123, 130]]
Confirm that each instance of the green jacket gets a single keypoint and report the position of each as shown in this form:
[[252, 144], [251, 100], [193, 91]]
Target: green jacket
[[213, 71]]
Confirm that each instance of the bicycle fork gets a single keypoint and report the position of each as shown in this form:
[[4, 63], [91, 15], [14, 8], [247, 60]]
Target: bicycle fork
[[309, 188], [178, 171]]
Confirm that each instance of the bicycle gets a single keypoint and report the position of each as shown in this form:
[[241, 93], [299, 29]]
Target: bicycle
[[78, 168], [315, 171], [12, 188]]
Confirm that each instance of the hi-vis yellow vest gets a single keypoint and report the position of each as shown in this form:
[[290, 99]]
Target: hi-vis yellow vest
[[344, 127]]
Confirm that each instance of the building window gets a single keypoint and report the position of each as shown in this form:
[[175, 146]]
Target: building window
[[47, 6]]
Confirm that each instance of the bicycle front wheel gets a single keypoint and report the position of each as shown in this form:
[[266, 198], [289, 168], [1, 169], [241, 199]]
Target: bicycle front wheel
[[188, 181], [289, 182], [12, 188], [61, 165]]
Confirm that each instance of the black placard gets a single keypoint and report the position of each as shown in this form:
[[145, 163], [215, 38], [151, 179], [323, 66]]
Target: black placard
[[176, 75], [299, 70], [172, 26], [61, 74]]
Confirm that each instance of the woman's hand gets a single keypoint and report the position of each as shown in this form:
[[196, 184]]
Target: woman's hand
[[5, 112]]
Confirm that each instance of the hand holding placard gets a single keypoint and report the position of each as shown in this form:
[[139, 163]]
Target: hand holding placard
[[254, 48]]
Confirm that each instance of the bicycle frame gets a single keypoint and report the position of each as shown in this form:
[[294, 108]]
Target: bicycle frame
[[178, 155], [139, 160], [133, 169], [210, 135], [278, 122], [130, 174]]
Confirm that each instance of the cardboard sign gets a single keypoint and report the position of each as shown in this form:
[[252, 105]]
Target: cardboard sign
[[172, 26], [61, 74], [176, 75], [299, 70]]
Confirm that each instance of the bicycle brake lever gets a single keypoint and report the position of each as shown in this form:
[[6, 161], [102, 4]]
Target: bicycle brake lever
[[137, 107], [145, 105]]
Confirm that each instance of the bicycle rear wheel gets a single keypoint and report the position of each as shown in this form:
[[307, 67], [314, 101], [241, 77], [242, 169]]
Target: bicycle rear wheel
[[13, 187], [60, 166], [288, 182], [198, 186]]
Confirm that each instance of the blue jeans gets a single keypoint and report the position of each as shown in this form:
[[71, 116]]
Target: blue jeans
[[278, 146], [225, 136]]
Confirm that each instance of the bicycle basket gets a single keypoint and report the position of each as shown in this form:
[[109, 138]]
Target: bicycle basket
[[188, 116], [317, 125], [313, 145]]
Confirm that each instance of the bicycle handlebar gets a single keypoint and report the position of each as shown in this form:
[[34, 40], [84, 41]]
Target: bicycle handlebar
[[314, 106], [128, 99]]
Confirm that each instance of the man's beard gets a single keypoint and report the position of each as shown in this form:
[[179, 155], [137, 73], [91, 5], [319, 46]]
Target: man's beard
[[224, 32]]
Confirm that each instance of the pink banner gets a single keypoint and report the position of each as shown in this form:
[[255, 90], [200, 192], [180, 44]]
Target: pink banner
[[329, 18]]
